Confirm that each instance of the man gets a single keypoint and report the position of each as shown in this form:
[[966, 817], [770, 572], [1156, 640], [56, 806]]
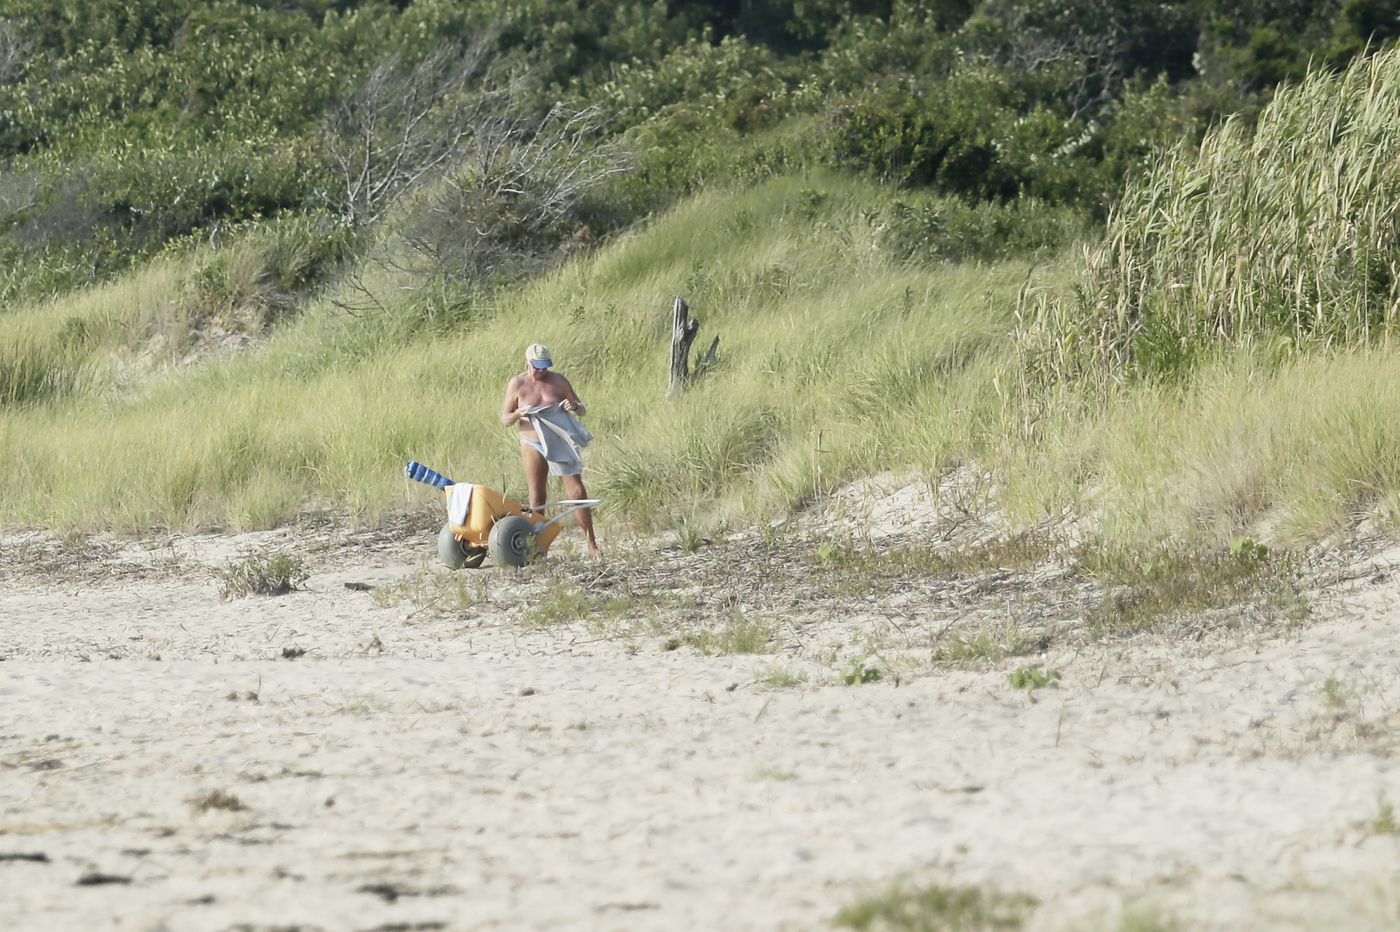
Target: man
[[532, 396]]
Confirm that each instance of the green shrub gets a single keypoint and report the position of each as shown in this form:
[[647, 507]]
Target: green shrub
[[927, 227], [269, 267]]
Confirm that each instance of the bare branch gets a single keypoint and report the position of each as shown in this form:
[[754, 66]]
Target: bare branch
[[15, 52], [511, 200], [402, 126]]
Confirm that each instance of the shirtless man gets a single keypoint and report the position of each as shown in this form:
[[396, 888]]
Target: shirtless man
[[537, 386]]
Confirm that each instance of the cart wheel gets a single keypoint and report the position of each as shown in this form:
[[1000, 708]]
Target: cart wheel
[[450, 549], [512, 541]]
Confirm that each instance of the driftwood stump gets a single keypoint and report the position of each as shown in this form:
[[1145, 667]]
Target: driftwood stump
[[683, 328]]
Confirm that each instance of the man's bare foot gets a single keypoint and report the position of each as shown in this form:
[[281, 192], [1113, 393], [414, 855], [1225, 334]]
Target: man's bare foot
[[594, 552]]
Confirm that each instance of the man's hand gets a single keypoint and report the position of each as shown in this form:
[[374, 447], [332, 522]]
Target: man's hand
[[569, 406]]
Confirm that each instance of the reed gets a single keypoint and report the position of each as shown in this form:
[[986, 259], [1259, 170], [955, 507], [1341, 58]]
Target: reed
[[1279, 241]]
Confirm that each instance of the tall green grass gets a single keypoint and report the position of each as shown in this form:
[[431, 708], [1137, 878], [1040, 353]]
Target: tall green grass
[[835, 359], [1223, 364], [1287, 453], [1277, 241]]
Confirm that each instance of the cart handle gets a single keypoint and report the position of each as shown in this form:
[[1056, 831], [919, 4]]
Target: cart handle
[[570, 505]]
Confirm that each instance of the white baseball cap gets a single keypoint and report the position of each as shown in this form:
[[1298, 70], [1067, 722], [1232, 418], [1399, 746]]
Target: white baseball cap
[[537, 355]]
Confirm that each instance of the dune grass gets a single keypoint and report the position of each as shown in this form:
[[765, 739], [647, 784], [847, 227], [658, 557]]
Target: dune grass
[[834, 360], [1281, 239], [837, 360], [1285, 453], [1224, 364]]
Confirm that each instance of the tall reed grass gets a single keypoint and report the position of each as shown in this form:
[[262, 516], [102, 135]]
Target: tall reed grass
[[1277, 241]]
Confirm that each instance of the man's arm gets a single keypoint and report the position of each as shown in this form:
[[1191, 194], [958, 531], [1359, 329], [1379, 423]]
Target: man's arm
[[571, 402], [510, 413]]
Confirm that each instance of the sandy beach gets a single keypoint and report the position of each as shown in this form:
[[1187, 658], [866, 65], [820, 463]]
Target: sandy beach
[[571, 747]]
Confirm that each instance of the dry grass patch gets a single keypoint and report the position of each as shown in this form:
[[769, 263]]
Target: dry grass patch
[[217, 800], [740, 635], [273, 574]]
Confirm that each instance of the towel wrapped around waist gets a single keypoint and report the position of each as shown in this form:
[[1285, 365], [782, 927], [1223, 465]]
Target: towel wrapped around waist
[[561, 438]]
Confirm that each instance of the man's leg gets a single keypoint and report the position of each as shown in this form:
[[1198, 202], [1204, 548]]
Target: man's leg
[[573, 487], [536, 474]]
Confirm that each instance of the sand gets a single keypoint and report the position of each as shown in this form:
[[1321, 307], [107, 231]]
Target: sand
[[340, 758]]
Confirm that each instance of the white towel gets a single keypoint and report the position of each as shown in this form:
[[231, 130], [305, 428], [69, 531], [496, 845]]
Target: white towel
[[459, 499]]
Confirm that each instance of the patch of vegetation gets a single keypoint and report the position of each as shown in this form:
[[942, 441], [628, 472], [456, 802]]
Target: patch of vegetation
[[1146, 589], [1385, 822], [849, 568], [1034, 678], [690, 536], [1345, 712], [1337, 696], [850, 561], [438, 591], [775, 774], [257, 574], [777, 676], [1147, 919], [938, 908], [862, 671], [988, 643], [1304, 286], [564, 602], [739, 635], [217, 799]]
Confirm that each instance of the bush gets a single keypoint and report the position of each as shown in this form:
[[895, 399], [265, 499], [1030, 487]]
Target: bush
[[275, 574], [516, 197], [981, 133], [925, 228], [269, 268]]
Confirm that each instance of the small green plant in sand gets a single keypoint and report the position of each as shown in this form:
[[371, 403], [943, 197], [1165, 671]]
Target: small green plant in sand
[[689, 536], [775, 774], [935, 908], [1246, 550], [739, 635], [849, 561], [564, 602], [1034, 678], [778, 676], [1344, 716], [861, 671], [274, 574], [1337, 696], [1146, 919]]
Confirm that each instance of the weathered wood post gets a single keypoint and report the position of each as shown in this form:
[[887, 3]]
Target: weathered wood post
[[683, 328]]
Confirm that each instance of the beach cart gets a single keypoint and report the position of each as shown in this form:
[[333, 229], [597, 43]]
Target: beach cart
[[483, 524]]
